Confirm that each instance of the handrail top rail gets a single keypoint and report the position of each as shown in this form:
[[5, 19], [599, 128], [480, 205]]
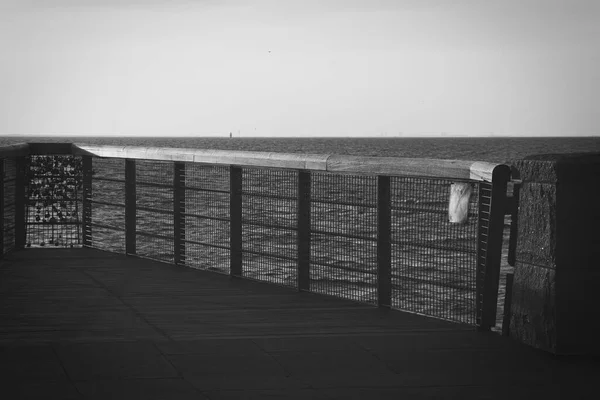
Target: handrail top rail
[[422, 167]]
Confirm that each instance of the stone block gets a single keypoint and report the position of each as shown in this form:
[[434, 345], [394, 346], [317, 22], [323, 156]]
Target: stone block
[[533, 308], [558, 253], [537, 225]]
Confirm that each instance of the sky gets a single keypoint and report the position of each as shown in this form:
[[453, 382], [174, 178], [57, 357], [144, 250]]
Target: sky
[[300, 68]]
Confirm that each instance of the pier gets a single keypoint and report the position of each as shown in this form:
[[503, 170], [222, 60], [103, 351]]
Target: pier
[[84, 323], [132, 272]]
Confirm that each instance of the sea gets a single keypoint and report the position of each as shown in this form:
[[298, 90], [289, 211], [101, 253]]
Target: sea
[[491, 149]]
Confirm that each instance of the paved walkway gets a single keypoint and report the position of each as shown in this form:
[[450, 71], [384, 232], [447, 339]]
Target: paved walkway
[[85, 324]]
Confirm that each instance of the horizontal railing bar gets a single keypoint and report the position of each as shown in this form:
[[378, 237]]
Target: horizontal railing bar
[[152, 209], [108, 179], [393, 166], [107, 227], [270, 196], [432, 247], [197, 189], [259, 253], [428, 168], [206, 217], [343, 203], [341, 234], [275, 226], [154, 235], [153, 184], [107, 203], [362, 271], [218, 246]]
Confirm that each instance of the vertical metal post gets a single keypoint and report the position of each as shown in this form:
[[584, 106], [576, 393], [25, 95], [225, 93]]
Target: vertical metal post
[[179, 212], [20, 201], [87, 201], [235, 223], [384, 249], [130, 207], [1, 207], [489, 247], [303, 235]]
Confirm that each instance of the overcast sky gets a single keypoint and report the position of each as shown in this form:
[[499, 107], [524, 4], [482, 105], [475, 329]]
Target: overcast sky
[[296, 68]]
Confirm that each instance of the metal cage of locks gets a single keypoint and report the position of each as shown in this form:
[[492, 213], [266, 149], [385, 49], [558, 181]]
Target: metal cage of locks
[[54, 200]]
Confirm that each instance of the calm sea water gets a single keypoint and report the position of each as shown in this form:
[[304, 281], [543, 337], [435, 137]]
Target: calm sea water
[[478, 149]]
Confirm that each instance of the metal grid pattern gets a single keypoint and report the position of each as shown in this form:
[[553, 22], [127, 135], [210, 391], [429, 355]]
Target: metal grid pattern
[[343, 254], [8, 212], [433, 260], [154, 210], [269, 213], [54, 201], [108, 204], [485, 200], [207, 217]]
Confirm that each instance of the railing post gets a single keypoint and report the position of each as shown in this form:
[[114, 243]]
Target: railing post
[[384, 249], [87, 201], [235, 223], [20, 201], [489, 246], [179, 212], [1, 207], [303, 235], [130, 207]]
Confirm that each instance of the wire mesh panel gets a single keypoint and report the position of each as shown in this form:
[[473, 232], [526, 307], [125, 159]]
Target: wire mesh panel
[[207, 217], [344, 236], [269, 225], [154, 210], [485, 200], [108, 204], [434, 261], [9, 180], [54, 201]]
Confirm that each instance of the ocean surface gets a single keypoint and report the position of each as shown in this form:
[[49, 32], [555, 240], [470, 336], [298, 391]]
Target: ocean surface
[[495, 149]]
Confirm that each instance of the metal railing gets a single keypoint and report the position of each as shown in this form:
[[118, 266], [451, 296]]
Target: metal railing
[[373, 230]]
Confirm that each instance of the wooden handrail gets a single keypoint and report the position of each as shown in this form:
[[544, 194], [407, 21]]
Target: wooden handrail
[[451, 169]]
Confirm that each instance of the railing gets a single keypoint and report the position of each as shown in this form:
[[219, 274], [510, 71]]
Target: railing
[[369, 229]]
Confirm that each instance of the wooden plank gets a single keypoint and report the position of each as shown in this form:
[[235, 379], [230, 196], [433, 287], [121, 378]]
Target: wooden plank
[[130, 207], [235, 224], [457, 169], [384, 247], [453, 169], [179, 212], [304, 230]]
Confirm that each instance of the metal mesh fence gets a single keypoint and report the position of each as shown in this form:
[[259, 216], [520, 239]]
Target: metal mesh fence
[[154, 210], [9, 179], [437, 268], [207, 217], [54, 201], [108, 204], [434, 262], [269, 225], [343, 254], [485, 199]]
